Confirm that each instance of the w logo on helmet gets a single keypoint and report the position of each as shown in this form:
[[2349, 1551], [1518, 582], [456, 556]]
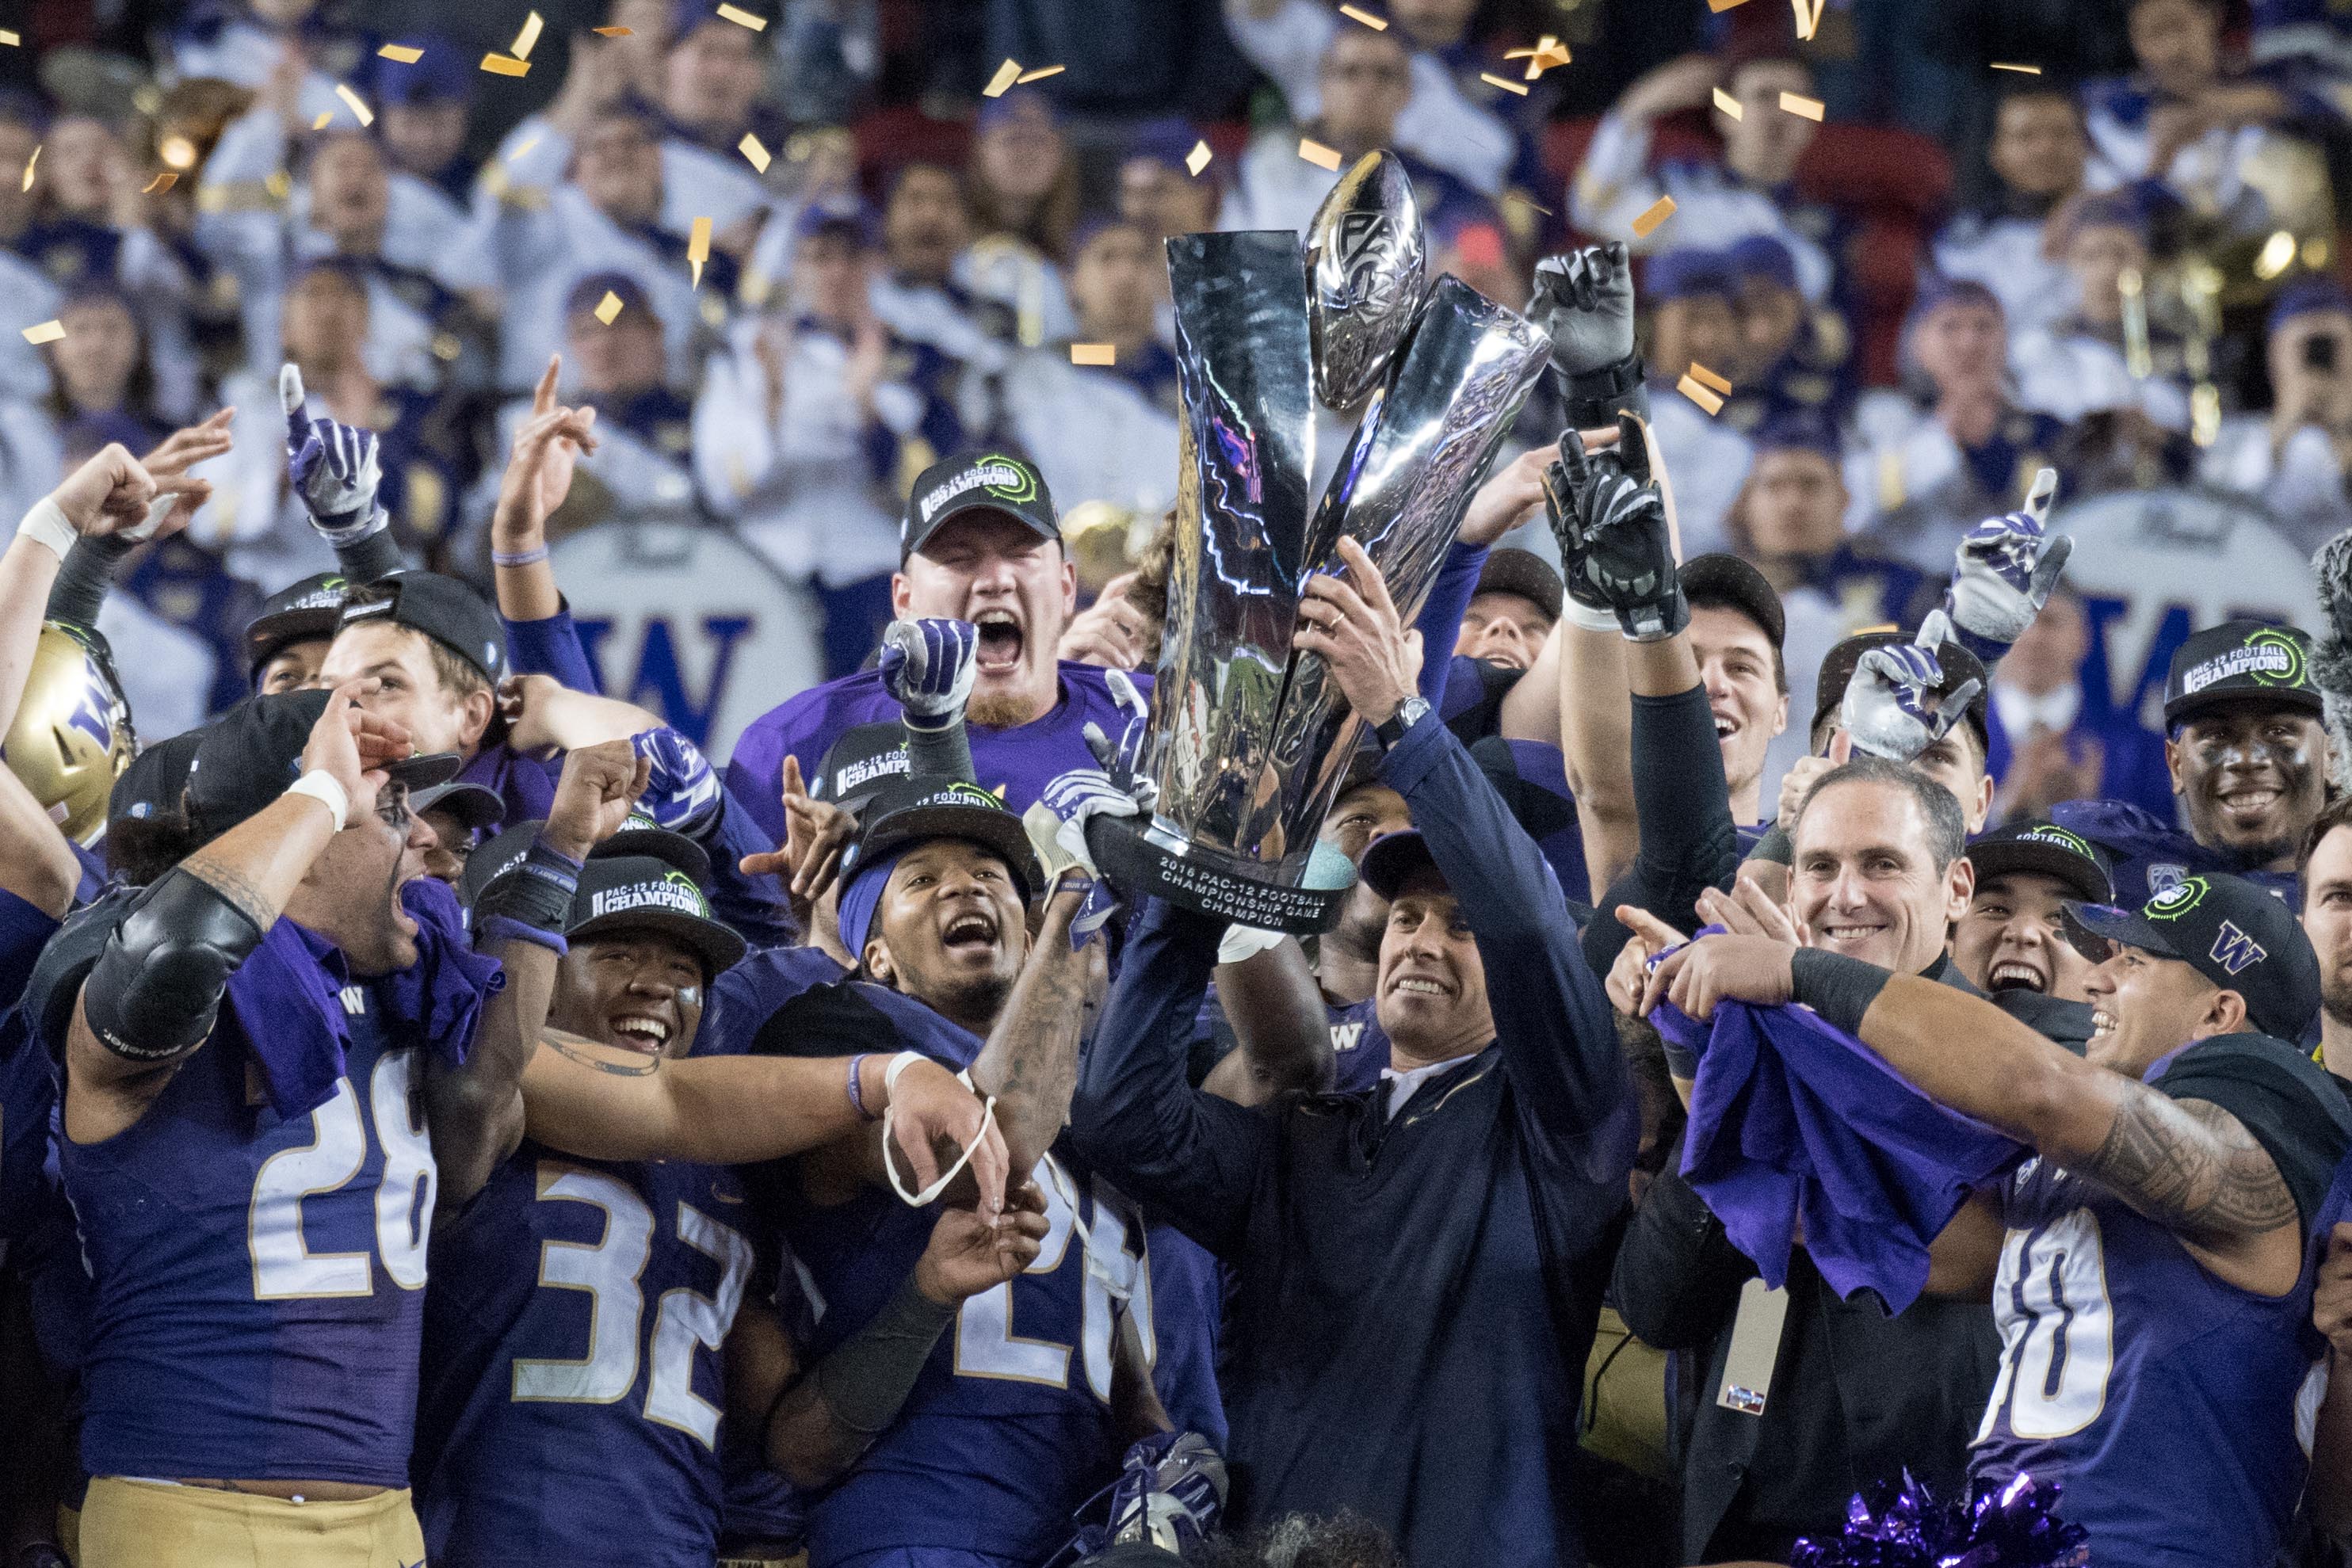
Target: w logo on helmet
[[2234, 949]]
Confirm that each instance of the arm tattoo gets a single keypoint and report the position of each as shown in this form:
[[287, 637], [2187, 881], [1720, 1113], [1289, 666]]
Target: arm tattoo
[[2192, 1167], [232, 885]]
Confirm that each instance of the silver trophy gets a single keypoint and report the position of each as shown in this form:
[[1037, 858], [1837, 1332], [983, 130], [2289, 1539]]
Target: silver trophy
[[1249, 739]]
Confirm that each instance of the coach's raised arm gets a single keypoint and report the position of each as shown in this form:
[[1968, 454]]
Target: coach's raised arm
[[1422, 1259]]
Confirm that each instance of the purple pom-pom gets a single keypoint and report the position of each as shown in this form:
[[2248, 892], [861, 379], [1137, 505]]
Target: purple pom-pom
[[2009, 1526]]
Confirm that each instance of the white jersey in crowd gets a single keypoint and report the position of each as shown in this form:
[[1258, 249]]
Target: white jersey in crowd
[[1438, 124], [167, 670], [31, 294], [1274, 187], [2301, 482], [802, 489], [1710, 466], [2004, 254], [253, 520], [1615, 185], [1092, 433], [2068, 374], [948, 319], [32, 457], [697, 183]]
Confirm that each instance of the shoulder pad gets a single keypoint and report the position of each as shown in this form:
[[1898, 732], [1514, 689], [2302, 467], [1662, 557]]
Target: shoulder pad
[[66, 961]]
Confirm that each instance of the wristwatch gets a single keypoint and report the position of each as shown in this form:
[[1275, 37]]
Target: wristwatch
[[1392, 729]]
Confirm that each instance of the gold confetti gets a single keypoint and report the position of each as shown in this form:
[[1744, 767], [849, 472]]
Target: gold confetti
[[46, 332], [351, 101], [279, 184], [500, 66], [1040, 74], [529, 37], [1322, 157], [1706, 377], [613, 31], [161, 183], [9, 39], [1198, 159], [1506, 83], [1656, 213], [36, 158], [1094, 354], [1366, 18], [527, 143], [1728, 104], [1006, 74], [1703, 396], [1724, 4], [749, 147], [1808, 17], [697, 248], [608, 309], [1797, 104], [405, 54], [1549, 52], [743, 18], [2021, 71], [320, 123]]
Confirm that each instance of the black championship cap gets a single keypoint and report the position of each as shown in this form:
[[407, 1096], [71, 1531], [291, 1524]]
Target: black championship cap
[[866, 757], [637, 836], [1718, 580], [907, 810], [2046, 849], [297, 614], [473, 806], [2239, 660], [1959, 667], [153, 783], [2232, 933], [977, 480], [445, 610], [249, 754], [656, 894], [1524, 573]]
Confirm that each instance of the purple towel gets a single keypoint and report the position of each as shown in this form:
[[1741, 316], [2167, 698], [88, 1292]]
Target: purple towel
[[1790, 1116], [286, 999]]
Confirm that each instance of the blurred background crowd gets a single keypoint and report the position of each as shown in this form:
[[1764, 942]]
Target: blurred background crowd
[[791, 265]]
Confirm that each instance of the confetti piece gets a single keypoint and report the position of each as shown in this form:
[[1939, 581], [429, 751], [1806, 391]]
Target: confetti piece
[[161, 183], [528, 37], [743, 18], [1656, 213], [9, 39], [1728, 104], [500, 66], [1322, 157], [1808, 17], [1506, 83], [46, 332], [1198, 159], [279, 184], [1706, 377], [1094, 354], [698, 248], [749, 147], [1724, 4], [1040, 74], [608, 309], [351, 101], [405, 54], [528, 142], [1703, 396], [1376, 24], [2021, 71], [1521, 198], [1006, 74], [1807, 108], [613, 31], [36, 158], [320, 123], [1549, 52]]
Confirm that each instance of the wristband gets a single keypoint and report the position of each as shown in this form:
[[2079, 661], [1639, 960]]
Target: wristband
[[1590, 617], [1595, 398], [519, 557], [899, 1063], [857, 1089], [1839, 988], [536, 893], [507, 928], [324, 788], [45, 524]]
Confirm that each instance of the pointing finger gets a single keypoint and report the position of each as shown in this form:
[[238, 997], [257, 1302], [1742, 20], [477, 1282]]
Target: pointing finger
[[291, 397]]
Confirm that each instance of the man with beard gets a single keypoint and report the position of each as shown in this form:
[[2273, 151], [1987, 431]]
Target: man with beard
[[2247, 748], [2325, 872], [2154, 1285]]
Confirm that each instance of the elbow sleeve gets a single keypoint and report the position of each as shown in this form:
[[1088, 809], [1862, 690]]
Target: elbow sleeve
[[156, 991]]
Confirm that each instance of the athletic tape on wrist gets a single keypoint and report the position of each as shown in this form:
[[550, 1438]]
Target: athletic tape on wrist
[[46, 525], [328, 791]]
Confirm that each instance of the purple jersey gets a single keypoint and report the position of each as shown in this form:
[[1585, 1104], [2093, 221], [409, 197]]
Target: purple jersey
[[525, 784], [1360, 1046], [1017, 763], [2163, 1399], [26, 1089], [570, 1406], [259, 1280]]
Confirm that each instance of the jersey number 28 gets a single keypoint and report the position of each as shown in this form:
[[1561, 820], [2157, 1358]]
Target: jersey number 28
[[284, 1267]]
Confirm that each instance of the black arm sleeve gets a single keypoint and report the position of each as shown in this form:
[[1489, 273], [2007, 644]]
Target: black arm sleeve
[[84, 577], [2283, 1099], [156, 991], [372, 556], [1682, 808]]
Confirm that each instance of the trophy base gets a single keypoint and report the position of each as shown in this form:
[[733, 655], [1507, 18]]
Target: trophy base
[[1143, 861]]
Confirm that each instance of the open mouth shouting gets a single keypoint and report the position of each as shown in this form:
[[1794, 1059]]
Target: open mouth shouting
[[2018, 975], [1002, 642], [636, 1030], [972, 933]]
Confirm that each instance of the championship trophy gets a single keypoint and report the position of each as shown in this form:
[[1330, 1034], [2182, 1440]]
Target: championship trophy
[[1248, 740]]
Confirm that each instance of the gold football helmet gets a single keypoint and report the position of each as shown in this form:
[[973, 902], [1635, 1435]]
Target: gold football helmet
[[72, 737]]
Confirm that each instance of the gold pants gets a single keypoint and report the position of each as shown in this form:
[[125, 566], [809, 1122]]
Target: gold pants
[[148, 1524]]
